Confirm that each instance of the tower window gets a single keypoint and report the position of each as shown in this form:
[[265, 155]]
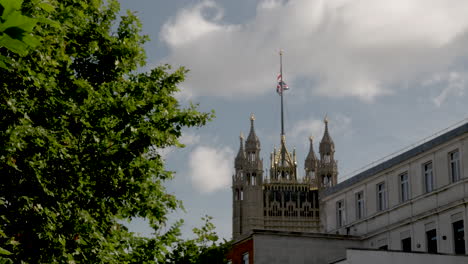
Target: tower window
[[237, 195], [253, 180], [241, 195], [311, 174], [454, 166], [247, 178], [326, 158]]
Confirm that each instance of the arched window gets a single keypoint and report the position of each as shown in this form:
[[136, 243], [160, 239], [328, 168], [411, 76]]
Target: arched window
[[252, 156], [254, 179], [236, 195], [326, 158], [247, 178], [241, 195], [324, 180]]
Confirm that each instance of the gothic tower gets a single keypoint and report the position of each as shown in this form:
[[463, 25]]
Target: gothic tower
[[310, 165], [247, 185], [328, 171]]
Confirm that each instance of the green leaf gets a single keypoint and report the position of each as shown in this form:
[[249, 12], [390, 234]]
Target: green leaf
[[4, 251], [46, 7]]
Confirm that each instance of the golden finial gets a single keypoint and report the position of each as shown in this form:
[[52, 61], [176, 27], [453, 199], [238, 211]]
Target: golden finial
[[241, 135], [326, 118], [252, 117], [311, 138]]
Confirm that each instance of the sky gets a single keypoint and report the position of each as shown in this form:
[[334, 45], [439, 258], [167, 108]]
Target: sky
[[387, 74]]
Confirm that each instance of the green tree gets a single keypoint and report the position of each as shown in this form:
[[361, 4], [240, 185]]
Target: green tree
[[205, 248], [78, 132]]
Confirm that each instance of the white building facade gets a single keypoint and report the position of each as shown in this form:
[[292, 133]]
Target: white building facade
[[416, 201]]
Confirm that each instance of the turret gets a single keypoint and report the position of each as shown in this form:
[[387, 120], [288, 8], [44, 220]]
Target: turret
[[310, 163], [240, 158], [247, 184], [327, 146], [327, 166]]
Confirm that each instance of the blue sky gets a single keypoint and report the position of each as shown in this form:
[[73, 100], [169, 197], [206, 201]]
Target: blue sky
[[386, 73]]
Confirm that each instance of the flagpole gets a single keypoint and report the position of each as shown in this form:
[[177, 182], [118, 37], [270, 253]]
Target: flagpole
[[282, 90], [283, 154]]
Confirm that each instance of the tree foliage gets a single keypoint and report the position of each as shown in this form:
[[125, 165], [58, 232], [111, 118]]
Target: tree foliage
[[204, 248], [77, 128]]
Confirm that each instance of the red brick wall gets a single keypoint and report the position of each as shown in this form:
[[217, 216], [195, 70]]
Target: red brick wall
[[239, 249]]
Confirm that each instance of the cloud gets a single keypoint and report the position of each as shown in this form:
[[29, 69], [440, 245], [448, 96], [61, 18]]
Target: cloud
[[452, 83], [211, 168], [187, 138], [339, 124], [348, 48]]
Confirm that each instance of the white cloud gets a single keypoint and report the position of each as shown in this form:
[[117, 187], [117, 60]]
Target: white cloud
[[349, 48], [339, 124], [306, 128], [187, 138], [211, 168]]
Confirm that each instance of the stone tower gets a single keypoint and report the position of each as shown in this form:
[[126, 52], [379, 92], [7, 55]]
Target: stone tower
[[284, 201], [311, 165], [327, 169], [247, 185]]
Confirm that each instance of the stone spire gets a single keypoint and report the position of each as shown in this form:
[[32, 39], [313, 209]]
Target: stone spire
[[252, 143], [311, 159], [241, 154], [310, 164], [327, 146]]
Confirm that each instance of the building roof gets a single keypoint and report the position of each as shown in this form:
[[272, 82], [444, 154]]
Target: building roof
[[458, 131], [253, 232]]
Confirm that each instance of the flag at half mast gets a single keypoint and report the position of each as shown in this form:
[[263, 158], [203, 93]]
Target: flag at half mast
[[281, 86]]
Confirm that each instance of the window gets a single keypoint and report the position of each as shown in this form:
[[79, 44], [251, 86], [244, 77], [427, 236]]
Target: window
[[311, 174], [459, 237], [428, 177], [406, 244], [384, 247], [245, 258], [254, 179], [241, 195], [431, 241], [454, 160], [359, 205], [404, 187], [340, 213], [381, 197]]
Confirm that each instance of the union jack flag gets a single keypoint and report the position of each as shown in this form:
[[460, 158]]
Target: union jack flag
[[281, 86]]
